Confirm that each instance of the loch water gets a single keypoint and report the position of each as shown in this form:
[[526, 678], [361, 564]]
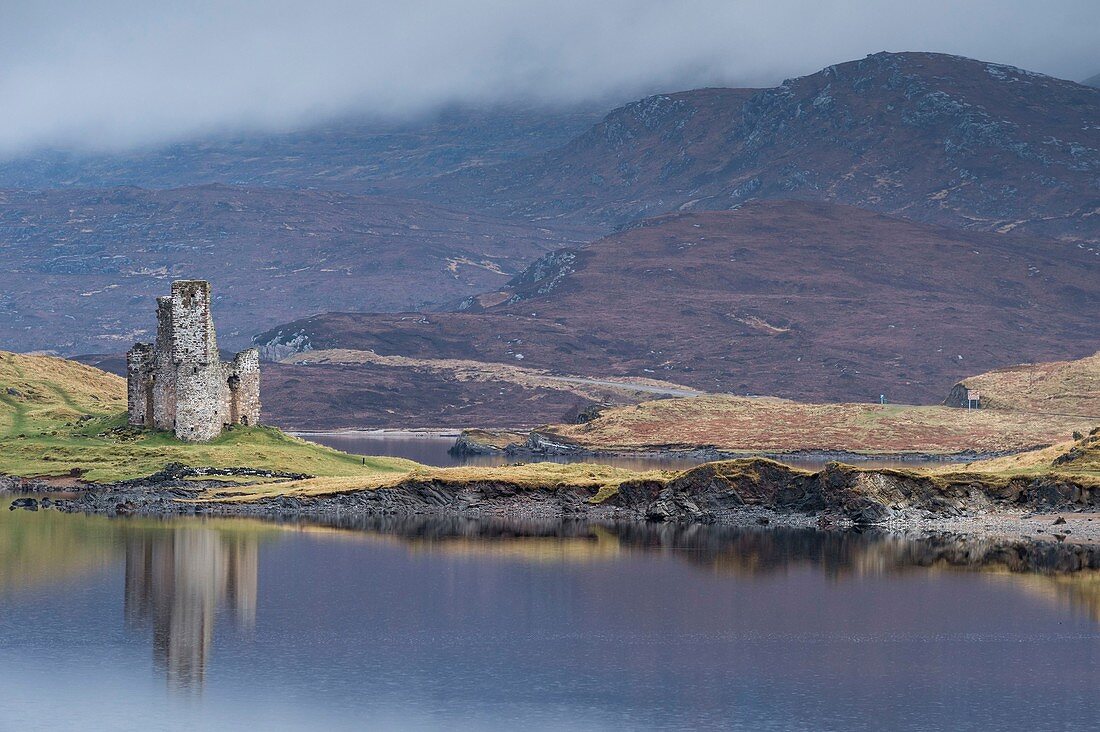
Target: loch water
[[419, 623], [433, 448]]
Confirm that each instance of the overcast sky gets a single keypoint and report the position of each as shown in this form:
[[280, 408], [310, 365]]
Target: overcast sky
[[106, 73]]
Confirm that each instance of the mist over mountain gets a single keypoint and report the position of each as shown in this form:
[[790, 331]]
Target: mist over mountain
[[120, 74], [355, 153]]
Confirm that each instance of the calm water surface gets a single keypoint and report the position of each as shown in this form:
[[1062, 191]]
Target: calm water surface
[[428, 624], [431, 449]]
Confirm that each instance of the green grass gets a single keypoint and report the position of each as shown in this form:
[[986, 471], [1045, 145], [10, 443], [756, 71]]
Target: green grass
[[117, 456], [60, 417], [40, 395]]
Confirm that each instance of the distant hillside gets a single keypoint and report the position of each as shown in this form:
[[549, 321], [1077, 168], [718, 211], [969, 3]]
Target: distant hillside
[[322, 390], [931, 137], [812, 301], [363, 217], [1063, 387], [1093, 81], [79, 268]]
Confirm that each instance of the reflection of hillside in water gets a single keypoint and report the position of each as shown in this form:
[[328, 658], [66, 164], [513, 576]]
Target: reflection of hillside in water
[[1060, 572], [40, 548], [180, 574], [175, 583]]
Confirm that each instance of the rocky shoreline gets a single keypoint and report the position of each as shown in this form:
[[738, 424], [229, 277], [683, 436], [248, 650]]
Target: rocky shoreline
[[742, 492]]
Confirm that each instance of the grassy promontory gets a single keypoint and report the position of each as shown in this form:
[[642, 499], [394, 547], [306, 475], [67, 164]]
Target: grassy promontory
[[62, 418], [734, 424]]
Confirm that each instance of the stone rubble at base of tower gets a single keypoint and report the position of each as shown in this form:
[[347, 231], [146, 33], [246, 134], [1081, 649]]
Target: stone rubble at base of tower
[[179, 383]]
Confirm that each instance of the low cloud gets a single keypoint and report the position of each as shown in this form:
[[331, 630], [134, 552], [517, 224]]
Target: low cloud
[[120, 73]]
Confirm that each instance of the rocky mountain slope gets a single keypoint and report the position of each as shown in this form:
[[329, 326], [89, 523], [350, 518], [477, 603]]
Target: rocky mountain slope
[[923, 136], [79, 268], [930, 137], [812, 301]]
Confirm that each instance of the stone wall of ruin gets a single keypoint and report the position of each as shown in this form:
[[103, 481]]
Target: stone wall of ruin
[[164, 386], [139, 385], [242, 377], [179, 383], [198, 373], [193, 339]]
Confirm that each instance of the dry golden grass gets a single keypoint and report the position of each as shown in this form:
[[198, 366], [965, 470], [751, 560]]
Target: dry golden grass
[[1065, 387], [761, 424], [39, 394], [499, 439], [1075, 459], [598, 478]]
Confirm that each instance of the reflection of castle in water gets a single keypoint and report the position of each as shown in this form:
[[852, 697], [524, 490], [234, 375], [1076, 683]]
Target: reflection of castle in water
[[176, 581]]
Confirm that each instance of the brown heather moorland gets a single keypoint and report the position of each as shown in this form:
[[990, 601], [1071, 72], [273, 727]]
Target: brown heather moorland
[[809, 301], [761, 424]]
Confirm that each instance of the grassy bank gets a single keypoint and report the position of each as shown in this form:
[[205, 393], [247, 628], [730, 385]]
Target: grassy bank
[[601, 480]]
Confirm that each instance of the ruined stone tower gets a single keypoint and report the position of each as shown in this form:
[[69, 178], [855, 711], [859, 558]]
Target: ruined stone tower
[[179, 383]]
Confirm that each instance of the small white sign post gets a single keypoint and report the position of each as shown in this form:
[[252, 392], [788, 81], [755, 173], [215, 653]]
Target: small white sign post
[[973, 399]]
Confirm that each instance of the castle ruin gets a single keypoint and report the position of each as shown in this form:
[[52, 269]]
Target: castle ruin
[[180, 383]]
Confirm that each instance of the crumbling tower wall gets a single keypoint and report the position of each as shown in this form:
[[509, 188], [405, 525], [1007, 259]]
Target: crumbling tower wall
[[242, 378], [194, 357], [163, 380], [179, 383], [139, 384]]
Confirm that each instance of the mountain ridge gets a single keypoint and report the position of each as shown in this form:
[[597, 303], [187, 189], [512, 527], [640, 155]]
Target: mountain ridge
[[932, 137]]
